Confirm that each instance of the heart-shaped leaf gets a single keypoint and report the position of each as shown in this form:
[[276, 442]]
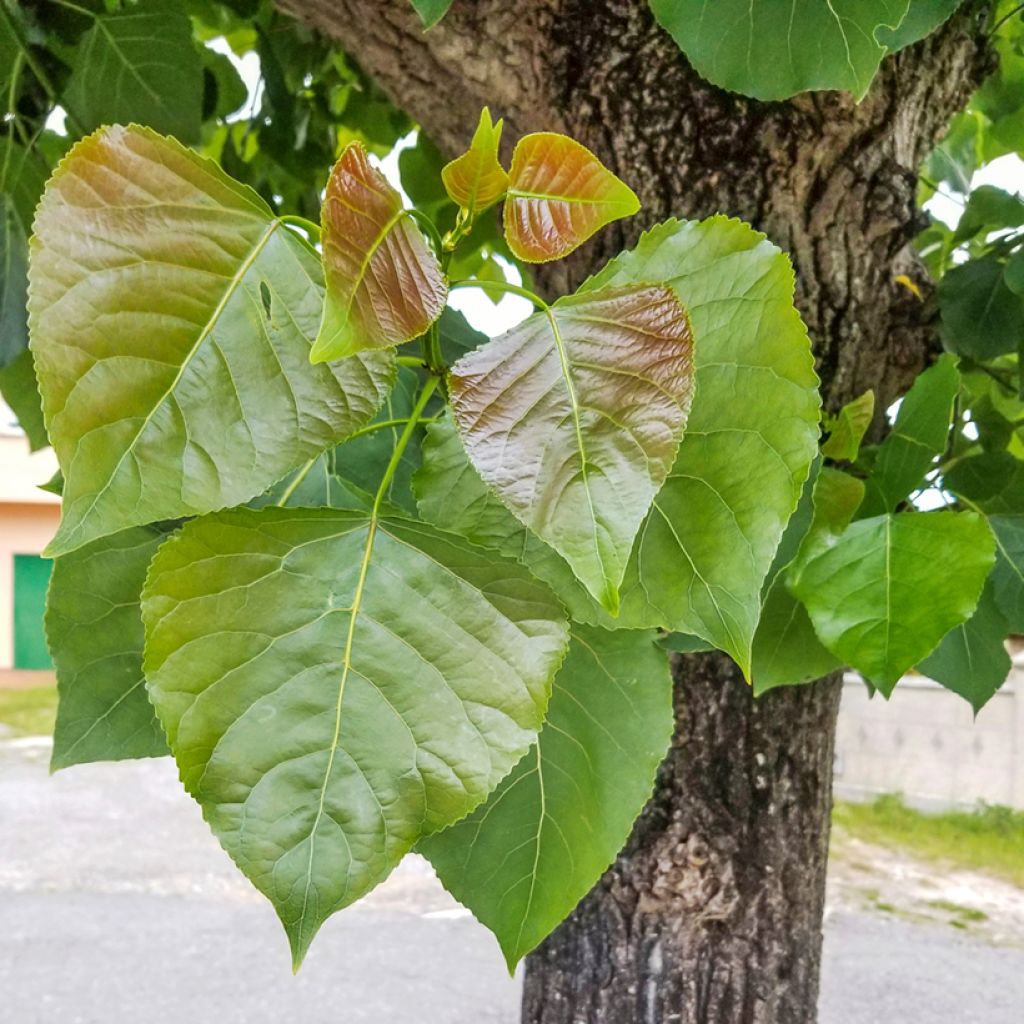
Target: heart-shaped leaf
[[336, 685], [384, 283], [886, 591], [559, 194], [574, 417], [476, 180], [171, 316], [524, 859], [94, 629]]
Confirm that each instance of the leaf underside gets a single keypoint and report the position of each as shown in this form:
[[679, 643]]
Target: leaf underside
[[384, 284], [335, 686], [170, 386], [574, 417]]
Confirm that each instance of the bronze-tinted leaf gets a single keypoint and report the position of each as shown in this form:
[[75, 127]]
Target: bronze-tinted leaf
[[384, 283], [574, 417], [476, 180], [559, 194]]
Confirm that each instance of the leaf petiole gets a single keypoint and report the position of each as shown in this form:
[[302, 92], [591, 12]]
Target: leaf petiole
[[308, 226], [502, 286], [403, 441]]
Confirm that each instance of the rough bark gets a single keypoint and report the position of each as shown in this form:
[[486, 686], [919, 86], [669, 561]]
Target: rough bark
[[712, 915]]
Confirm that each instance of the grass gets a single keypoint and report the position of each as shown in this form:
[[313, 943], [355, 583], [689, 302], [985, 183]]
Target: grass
[[990, 839], [29, 712]]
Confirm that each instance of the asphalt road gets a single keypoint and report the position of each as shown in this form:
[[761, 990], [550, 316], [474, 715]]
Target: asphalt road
[[117, 907]]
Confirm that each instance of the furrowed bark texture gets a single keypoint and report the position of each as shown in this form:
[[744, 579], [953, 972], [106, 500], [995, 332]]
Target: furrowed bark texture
[[712, 914]]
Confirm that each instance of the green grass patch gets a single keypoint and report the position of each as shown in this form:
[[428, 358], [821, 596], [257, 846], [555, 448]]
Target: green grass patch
[[990, 839], [29, 712]]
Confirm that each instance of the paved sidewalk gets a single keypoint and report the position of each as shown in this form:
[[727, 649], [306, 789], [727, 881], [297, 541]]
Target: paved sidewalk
[[118, 907]]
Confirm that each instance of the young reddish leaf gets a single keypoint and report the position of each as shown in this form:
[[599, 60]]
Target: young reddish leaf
[[559, 194], [574, 417], [384, 283], [476, 180]]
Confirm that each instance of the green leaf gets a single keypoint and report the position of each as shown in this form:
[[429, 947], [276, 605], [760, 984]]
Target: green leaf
[[476, 180], [384, 283], [918, 437], [972, 659], [171, 317], [923, 18], [22, 177], [683, 643], [702, 556], [574, 416], [704, 551], [94, 629], [13, 284], [139, 65], [559, 195], [1008, 575], [786, 650], [981, 317], [884, 593], [774, 49], [847, 428], [20, 391], [523, 860], [992, 481], [334, 686], [431, 11], [989, 209]]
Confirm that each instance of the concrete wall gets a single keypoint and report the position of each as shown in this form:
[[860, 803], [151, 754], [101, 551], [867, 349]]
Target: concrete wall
[[926, 744], [28, 519]]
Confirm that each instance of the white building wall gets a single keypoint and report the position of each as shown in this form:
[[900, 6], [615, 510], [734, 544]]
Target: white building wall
[[926, 744]]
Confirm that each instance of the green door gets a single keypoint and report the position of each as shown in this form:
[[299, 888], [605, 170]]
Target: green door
[[31, 578]]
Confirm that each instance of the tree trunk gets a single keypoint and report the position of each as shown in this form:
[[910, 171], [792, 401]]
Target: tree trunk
[[712, 914], [713, 911]]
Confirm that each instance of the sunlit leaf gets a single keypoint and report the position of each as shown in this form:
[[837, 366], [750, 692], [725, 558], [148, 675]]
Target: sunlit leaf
[[574, 417], [884, 593], [476, 180], [773, 49], [847, 428], [384, 283], [559, 194], [171, 317], [94, 630], [524, 859], [918, 436], [336, 685], [705, 549], [972, 659], [139, 64]]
